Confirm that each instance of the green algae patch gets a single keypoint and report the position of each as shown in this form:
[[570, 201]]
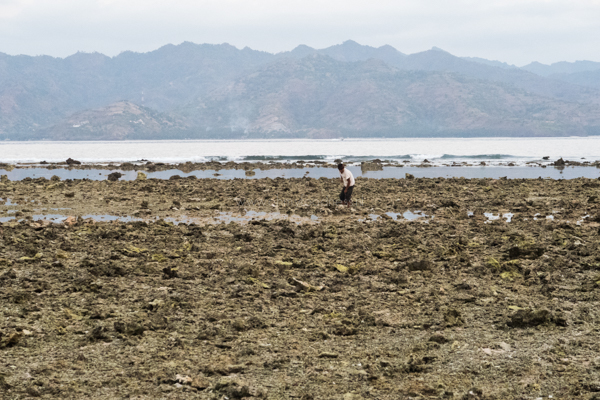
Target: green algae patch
[[493, 263], [63, 255], [59, 185], [284, 263], [384, 254], [133, 251], [510, 275], [159, 258], [341, 268], [351, 269], [34, 258], [257, 282]]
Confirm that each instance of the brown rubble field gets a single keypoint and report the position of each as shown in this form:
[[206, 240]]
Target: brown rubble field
[[328, 303]]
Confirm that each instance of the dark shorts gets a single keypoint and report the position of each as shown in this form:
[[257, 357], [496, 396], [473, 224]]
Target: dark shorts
[[346, 196]]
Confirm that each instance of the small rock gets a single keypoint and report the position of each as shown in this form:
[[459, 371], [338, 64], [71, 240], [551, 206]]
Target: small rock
[[528, 318], [592, 386], [113, 177], [328, 355], [234, 368], [200, 383], [3, 384], [170, 272], [232, 389], [453, 318], [505, 346], [10, 274], [12, 340], [98, 333], [135, 329], [301, 285], [438, 338], [33, 391], [183, 379], [141, 176], [119, 327], [70, 161], [420, 265]]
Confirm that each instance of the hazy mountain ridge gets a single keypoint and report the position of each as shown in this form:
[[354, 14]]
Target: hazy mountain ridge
[[491, 63], [317, 96], [211, 90], [562, 67]]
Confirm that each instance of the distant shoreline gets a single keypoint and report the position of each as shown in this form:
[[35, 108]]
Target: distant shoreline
[[295, 170]]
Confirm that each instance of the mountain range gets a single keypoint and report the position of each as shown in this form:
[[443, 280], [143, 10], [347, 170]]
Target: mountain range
[[346, 90]]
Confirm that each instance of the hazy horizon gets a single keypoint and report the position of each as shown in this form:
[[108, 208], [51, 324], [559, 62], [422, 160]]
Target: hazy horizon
[[284, 51]]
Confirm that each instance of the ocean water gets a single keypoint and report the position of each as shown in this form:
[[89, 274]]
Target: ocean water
[[494, 151]]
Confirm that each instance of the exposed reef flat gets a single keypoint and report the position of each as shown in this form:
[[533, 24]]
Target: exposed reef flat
[[308, 300], [365, 165]]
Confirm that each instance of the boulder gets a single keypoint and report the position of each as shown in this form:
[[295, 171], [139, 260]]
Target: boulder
[[70, 161]]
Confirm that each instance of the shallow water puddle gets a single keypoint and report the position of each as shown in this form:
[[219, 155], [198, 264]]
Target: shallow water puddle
[[491, 217], [223, 217], [582, 219], [58, 218], [407, 215], [8, 202], [548, 217]]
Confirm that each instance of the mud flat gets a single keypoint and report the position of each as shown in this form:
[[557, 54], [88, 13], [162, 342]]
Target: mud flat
[[213, 289]]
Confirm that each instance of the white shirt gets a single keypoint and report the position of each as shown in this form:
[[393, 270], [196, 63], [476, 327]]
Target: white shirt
[[347, 175]]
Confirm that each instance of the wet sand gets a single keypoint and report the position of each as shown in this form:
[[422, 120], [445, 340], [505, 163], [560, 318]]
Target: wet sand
[[299, 297]]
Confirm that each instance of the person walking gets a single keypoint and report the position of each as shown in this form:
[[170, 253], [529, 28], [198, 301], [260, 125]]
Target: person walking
[[348, 181]]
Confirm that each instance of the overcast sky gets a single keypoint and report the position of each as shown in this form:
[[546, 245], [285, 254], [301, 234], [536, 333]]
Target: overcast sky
[[514, 31]]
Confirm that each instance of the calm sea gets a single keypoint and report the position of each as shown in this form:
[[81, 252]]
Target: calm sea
[[438, 151], [510, 157]]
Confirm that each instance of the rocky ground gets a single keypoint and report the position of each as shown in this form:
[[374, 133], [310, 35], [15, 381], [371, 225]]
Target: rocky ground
[[346, 305]]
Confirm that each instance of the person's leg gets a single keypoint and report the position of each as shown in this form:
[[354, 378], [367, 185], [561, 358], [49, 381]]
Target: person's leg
[[349, 195], [343, 197]]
